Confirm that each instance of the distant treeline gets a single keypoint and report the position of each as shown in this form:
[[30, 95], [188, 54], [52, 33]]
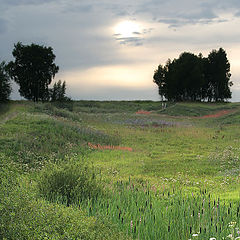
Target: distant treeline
[[195, 78]]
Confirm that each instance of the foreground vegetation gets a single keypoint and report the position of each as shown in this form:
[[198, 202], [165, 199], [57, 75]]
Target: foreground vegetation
[[176, 177]]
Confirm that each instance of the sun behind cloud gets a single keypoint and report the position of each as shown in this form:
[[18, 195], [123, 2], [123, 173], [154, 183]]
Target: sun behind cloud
[[127, 29]]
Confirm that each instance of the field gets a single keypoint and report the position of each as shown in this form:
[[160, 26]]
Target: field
[[119, 170]]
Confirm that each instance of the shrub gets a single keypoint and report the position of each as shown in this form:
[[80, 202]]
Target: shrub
[[68, 182], [23, 216]]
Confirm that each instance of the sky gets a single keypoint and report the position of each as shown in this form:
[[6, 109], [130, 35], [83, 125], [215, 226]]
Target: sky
[[108, 49]]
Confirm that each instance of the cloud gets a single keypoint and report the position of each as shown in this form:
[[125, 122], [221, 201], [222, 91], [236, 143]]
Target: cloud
[[136, 33], [186, 12], [3, 26], [77, 7], [24, 2], [82, 32], [237, 14], [136, 41], [116, 93]]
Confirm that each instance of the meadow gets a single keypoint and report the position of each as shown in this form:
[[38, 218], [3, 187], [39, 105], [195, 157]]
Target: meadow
[[119, 170]]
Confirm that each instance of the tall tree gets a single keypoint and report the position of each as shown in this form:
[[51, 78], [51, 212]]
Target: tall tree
[[195, 78], [5, 86], [190, 78], [33, 69], [159, 79], [218, 74], [57, 93]]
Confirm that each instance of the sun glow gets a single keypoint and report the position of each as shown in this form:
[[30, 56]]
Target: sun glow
[[127, 29]]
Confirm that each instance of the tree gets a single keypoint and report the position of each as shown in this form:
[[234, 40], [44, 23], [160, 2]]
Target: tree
[[33, 69], [195, 78], [189, 76], [57, 93], [5, 87], [218, 74], [159, 79]]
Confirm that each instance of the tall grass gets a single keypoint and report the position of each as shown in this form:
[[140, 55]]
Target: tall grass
[[25, 216], [170, 214], [50, 191], [68, 182], [139, 211]]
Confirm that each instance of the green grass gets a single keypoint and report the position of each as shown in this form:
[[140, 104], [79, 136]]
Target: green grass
[[115, 106], [49, 170], [198, 109], [26, 216]]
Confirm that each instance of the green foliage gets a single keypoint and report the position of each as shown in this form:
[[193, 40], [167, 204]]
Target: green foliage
[[194, 78], [68, 182], [115, 106], [228, 159], [33, 69], [4, 108], [218, 75], [57, 93], [58, 109], [25, 217], [168, 214], [42, 189], [197, 109], [31, 138], [5, 87]]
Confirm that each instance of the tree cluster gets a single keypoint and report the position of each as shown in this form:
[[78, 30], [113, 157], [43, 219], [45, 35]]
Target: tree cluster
[[195, 78], [57, 93], [33, 70]]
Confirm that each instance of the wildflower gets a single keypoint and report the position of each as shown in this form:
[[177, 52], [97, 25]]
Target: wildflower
[[195, 235], [212, 238]]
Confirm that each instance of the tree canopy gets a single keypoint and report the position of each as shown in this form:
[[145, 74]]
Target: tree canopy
[[5, 87], [195, 78], [57, 93], [33, 70]]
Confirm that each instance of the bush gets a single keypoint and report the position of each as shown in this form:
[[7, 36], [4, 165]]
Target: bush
[[25, 217], [68, 182]]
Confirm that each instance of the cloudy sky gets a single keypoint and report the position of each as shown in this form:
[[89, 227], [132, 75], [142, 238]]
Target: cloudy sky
[[108, 49]]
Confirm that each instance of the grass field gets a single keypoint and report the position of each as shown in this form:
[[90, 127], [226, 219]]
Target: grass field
[[103, 170]]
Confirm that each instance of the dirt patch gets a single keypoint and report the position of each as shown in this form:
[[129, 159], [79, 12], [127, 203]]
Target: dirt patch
[[217, 114], [105, 147], [143, 112]]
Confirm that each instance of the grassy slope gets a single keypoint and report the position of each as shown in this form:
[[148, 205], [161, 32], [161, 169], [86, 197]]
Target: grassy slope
[[168, 150], [31, 140], [198, 109], [187, 153]]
